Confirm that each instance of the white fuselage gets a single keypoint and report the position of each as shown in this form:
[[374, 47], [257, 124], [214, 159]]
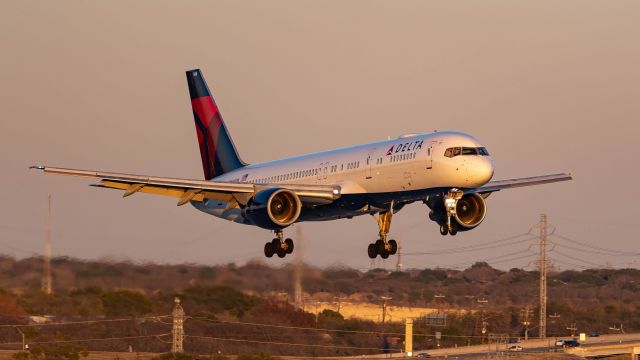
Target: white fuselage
[[409, 163]]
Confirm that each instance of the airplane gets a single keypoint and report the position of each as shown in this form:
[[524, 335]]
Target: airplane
[[449, 171]]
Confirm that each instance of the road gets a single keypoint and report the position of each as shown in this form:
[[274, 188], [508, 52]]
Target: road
[[529, 346]]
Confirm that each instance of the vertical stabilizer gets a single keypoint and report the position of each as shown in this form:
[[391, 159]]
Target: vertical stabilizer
[[218, 153]]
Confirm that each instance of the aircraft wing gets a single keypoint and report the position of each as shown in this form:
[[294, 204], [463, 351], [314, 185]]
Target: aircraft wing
[[498, 185], [197, 190]]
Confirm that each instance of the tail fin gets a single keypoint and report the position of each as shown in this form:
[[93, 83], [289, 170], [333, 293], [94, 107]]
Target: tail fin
[[218, 153]]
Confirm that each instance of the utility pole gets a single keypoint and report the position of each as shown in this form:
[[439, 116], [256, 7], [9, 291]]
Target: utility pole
[[573, 329], [485, 324], [543, 267], [554, 317], [525, 315], [177, 344], [46, 276], [384, 307]]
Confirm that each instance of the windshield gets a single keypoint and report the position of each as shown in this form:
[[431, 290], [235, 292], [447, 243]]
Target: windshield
[[463, 150]]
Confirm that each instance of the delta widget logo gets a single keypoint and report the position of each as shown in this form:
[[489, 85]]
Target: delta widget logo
[[404, 147]]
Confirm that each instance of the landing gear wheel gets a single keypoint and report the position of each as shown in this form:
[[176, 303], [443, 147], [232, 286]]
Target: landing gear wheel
[[289, 243], [394, 247], [372, 251], [380, 248], [453, 231], [384, 254], [275, 243], [268, 250], [444, 230]]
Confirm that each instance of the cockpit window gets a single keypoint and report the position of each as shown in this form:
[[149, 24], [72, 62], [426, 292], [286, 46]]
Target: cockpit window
[[469, 151], [455, 151]]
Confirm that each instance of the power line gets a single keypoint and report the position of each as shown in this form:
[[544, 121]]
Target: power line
[[577, 259], [569, 264], [625, 253], [496, 259], [594, 252], [85, 340], [284, 343], [85, 322], [316, 329], [481, 246]]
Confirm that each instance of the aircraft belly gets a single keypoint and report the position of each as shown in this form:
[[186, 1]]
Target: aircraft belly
[[220, 209]]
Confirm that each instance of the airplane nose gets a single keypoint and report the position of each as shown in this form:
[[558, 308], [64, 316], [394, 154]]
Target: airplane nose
[[480, 170]]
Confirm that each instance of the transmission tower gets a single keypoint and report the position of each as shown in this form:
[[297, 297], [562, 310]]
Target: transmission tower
[[177, 344], [543, 267], [399, 263], [297, 279], [46, 275]]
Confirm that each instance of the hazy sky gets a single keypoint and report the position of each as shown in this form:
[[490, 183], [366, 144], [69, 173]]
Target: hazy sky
[[547, 86]]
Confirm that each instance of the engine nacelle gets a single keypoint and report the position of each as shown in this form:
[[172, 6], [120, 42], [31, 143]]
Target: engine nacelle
[[471, 210], [273, 209]]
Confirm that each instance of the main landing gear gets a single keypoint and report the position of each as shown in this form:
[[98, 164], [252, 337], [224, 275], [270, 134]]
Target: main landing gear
[[383, 247], [279, 246]]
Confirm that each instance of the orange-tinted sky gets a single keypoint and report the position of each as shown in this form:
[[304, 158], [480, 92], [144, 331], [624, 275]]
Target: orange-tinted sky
[[547, 86]]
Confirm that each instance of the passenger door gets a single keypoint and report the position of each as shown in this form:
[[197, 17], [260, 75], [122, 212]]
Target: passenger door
[[369, 164], [430, 156]]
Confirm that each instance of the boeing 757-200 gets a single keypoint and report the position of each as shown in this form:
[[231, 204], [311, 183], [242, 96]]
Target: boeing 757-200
[[451, 172]]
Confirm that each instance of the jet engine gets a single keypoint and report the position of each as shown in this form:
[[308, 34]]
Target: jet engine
[[470, 211], [273, 209]]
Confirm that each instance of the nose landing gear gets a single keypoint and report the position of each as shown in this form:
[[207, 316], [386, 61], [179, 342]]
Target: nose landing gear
[[278, 246], [450, 205], [383, 247]]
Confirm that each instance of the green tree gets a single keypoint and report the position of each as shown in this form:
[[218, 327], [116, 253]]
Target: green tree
[[125, 303]]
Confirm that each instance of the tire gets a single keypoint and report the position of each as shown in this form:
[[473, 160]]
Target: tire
[[384, 254], [372, 251], [281, 252], [289, 243], [444, 230], [276, 244], [394, 247], [453, 231], [268, 250], [380, 247]]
